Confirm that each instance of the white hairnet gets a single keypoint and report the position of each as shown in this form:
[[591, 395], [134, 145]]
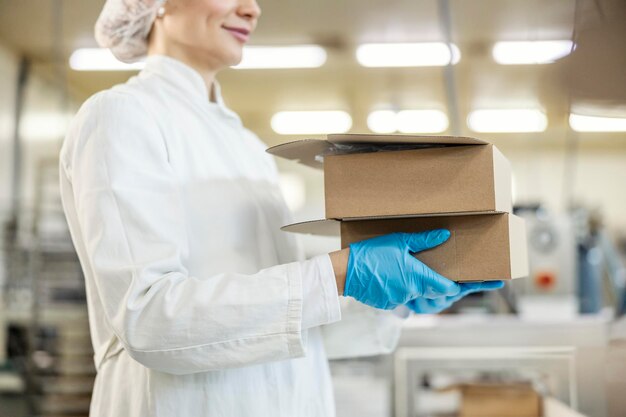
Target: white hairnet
[[124, 25]]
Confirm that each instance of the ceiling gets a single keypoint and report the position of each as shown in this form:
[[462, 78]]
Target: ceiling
[[28, 27]]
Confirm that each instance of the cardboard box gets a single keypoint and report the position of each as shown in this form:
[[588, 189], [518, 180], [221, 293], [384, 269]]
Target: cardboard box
[[469, 178], [482, 247], [499, 400], [507, 400], [400, 175], [379, 184]]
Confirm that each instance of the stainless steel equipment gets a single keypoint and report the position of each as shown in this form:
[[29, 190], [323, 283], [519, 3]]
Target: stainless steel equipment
[[567, 356]]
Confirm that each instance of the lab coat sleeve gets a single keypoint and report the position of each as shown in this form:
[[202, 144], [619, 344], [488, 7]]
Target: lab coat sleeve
[[363, 330], [132, 225]]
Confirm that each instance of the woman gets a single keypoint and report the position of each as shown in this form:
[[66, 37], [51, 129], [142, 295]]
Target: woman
[[198, 304]]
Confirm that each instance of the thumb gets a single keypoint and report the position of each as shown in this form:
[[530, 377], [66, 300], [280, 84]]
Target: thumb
[[418, 242]]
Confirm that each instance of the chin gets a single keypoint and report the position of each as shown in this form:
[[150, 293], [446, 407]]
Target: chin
[[234, 59]]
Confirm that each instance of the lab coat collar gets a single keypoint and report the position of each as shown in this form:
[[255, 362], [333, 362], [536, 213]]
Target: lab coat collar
[[186, 78]]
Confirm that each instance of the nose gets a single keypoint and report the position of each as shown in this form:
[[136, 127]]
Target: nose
[[249, 10]]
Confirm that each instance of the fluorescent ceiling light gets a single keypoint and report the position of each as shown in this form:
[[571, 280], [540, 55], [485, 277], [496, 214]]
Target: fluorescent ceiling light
[[425, 54], [254, 57], [407, 121], [296, 56], [100, 59], [581, 123], [311, 122], [382, 121], [507, 120], [532, 52]]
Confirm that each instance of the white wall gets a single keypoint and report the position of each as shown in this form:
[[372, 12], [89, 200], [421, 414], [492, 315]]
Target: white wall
[[598, 181]]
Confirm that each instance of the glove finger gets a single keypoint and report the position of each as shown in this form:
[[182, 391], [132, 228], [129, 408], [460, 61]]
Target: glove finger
[[474, 287], [471, 287], [432, 284], [439, 304], [418, 242], [492, 285], [447, 302], [416, 305], [454, 298], [422, 305]]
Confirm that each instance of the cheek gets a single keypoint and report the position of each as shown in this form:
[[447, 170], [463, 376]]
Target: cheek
[[199, 25], [193, 30], [215, 9], [200, 17], [206, 17]]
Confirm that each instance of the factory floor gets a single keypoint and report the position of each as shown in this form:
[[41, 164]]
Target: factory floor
[[13, 405]]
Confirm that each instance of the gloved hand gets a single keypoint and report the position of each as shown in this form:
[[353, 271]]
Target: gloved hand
[[383, 273], [423, 305]]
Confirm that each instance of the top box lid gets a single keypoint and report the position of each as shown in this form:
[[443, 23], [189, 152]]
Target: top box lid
[[311, 152]]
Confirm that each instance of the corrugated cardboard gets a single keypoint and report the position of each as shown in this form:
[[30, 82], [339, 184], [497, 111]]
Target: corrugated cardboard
[[482, 247], [398, 175], [507, 400], [499, 400], [470, 178]]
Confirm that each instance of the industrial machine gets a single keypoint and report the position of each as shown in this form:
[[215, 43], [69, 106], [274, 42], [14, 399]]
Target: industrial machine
[[553, 268], [574, 266]]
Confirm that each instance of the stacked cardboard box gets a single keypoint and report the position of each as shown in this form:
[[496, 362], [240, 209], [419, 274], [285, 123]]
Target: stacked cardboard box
[[379, 184]]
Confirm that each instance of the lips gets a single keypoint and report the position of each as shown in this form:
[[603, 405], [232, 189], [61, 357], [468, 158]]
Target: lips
[[238, 30], [240, 34]]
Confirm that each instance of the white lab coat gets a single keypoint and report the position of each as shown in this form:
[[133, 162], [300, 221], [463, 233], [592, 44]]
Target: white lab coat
[[198, 304]]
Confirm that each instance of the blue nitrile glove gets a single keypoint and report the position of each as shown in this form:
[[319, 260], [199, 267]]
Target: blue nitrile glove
[[423, 305], [383, 273]]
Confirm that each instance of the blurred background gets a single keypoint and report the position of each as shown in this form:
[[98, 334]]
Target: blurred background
[[545, 81]]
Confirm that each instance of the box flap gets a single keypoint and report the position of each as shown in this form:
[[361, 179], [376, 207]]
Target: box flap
[[303, 151], [324, 227], [331, 227], [311, 152]]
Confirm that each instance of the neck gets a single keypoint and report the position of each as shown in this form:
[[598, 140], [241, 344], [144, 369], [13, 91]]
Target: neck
[[199, 63]]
